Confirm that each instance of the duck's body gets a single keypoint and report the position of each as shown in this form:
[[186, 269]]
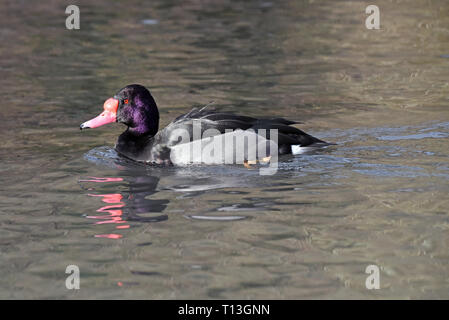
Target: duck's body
[[135, 107]]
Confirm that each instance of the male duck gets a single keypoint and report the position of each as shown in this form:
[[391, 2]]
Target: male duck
[[141, 141]]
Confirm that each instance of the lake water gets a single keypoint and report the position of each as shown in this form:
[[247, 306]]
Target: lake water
[[379, 197]]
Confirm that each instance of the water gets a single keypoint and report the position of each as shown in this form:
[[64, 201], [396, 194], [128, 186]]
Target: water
[[379, 197]]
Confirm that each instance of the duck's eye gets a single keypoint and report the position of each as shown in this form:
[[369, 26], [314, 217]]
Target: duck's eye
[[125, 101]]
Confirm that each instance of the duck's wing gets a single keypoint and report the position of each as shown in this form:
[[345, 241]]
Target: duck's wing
[[229, 120], [208, 118]]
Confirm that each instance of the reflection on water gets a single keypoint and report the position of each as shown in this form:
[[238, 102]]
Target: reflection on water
[[141, 183], [114, 214], [378, 197], [129, 205]]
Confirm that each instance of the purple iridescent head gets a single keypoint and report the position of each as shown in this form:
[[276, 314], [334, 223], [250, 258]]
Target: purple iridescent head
[[134, 106]]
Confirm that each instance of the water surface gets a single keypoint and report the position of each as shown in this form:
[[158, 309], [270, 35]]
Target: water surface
[[309, 231]]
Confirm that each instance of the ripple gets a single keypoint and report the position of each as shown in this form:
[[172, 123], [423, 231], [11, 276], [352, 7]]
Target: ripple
[[436, 135], [216, 218]]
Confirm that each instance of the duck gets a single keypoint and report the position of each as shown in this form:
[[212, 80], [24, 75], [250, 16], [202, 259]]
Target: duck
[[142, 141]]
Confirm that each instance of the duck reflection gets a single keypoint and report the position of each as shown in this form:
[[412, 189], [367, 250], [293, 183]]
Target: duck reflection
[[126, 197], [125, 206]]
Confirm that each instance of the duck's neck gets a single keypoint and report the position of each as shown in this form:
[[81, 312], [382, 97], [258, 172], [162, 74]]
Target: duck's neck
[[134, 146], [143, 130], [135, 143]]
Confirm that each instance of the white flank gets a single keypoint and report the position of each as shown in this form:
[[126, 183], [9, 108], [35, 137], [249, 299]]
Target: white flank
[[220, 149], [297, 149]]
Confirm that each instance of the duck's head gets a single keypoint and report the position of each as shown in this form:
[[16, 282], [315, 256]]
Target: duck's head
[[133, 106]]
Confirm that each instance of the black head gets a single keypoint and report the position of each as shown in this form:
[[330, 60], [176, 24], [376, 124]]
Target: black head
[[137, 109], [134, 106]]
